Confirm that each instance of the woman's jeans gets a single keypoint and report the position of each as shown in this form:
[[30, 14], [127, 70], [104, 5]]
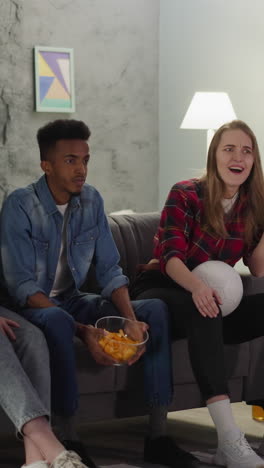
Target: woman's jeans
[[24, 372], [207, 336], [58, 326]]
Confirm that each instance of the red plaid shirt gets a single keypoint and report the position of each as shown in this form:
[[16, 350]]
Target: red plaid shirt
[[180, 233]]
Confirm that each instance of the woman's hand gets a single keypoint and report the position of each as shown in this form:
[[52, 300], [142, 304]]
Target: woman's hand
[[6, 327], [206, 300]]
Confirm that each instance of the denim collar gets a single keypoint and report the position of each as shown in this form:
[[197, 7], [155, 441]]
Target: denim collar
[[47, 199]]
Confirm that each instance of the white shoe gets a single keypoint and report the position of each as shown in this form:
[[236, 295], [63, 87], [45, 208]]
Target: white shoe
[[237, 454], [37, 464], [67, 459]]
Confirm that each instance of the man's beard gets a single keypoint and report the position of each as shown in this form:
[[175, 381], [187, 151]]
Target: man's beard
[[76, 194]]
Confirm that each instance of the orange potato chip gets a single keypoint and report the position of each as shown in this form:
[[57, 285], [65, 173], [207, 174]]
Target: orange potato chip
[[117, 345]]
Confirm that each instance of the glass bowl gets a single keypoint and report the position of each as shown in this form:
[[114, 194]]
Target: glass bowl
[[123, 338]]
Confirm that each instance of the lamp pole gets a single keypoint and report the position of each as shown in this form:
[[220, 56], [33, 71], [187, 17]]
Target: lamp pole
[[210, 134]]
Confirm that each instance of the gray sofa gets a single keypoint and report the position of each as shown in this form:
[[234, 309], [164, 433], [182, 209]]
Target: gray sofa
[[117, 392]]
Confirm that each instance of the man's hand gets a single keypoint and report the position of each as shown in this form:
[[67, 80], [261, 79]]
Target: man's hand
[[39, 300], [121, 300], [6, 327], [90, 337], [136, 333]]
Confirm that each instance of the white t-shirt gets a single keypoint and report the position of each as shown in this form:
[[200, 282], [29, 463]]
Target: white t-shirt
[[63, 278], [227, 203]]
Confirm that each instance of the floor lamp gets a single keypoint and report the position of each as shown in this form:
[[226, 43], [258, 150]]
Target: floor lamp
[[208, 111]]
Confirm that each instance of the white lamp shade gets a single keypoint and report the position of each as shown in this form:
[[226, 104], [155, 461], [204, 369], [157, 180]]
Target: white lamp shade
[[208, 111]]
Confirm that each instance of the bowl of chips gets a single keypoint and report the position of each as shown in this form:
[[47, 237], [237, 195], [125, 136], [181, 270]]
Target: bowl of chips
[[123, 338]]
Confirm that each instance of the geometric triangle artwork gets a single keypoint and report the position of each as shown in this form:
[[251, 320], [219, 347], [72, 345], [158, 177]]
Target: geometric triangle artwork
[[51, 58], [44, 69], [56, 91], [54, 81], [44, 85], [65, 71]]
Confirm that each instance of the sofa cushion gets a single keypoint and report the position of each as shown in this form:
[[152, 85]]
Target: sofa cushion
[[252, 284], [236, 358], [91, 377]]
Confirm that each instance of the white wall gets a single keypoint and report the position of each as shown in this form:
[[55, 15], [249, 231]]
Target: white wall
[[206, 45]]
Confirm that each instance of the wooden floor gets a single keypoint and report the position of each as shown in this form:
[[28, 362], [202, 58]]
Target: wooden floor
[[121, 442]]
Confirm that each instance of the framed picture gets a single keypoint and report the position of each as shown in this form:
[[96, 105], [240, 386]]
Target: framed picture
[[54, 79]]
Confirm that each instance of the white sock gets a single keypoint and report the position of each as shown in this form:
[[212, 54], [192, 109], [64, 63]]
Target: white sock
[[222, 416]]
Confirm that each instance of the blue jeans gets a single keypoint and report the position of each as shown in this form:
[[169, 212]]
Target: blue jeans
[[58, 326]]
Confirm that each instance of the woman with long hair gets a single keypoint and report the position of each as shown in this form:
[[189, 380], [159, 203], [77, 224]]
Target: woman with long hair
[[217, 217]]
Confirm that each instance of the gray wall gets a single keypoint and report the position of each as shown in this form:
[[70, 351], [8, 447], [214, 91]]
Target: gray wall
[[115, 46], [207, 45]]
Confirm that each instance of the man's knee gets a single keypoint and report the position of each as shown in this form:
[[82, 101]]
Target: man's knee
[[55, 319], [152, 311]]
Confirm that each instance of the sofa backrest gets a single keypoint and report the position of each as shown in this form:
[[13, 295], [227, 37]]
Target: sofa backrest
[[133, 235]]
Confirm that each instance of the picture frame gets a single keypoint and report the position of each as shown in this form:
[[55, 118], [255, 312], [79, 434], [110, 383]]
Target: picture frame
[[54, 79]]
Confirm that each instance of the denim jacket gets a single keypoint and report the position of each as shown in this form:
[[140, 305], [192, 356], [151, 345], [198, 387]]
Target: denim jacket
[[30, 241]]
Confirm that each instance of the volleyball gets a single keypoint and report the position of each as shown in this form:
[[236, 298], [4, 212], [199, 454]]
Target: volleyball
[[225, 280]]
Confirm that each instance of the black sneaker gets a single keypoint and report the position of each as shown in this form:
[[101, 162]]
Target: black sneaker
[[80, 449], [164, 451]]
